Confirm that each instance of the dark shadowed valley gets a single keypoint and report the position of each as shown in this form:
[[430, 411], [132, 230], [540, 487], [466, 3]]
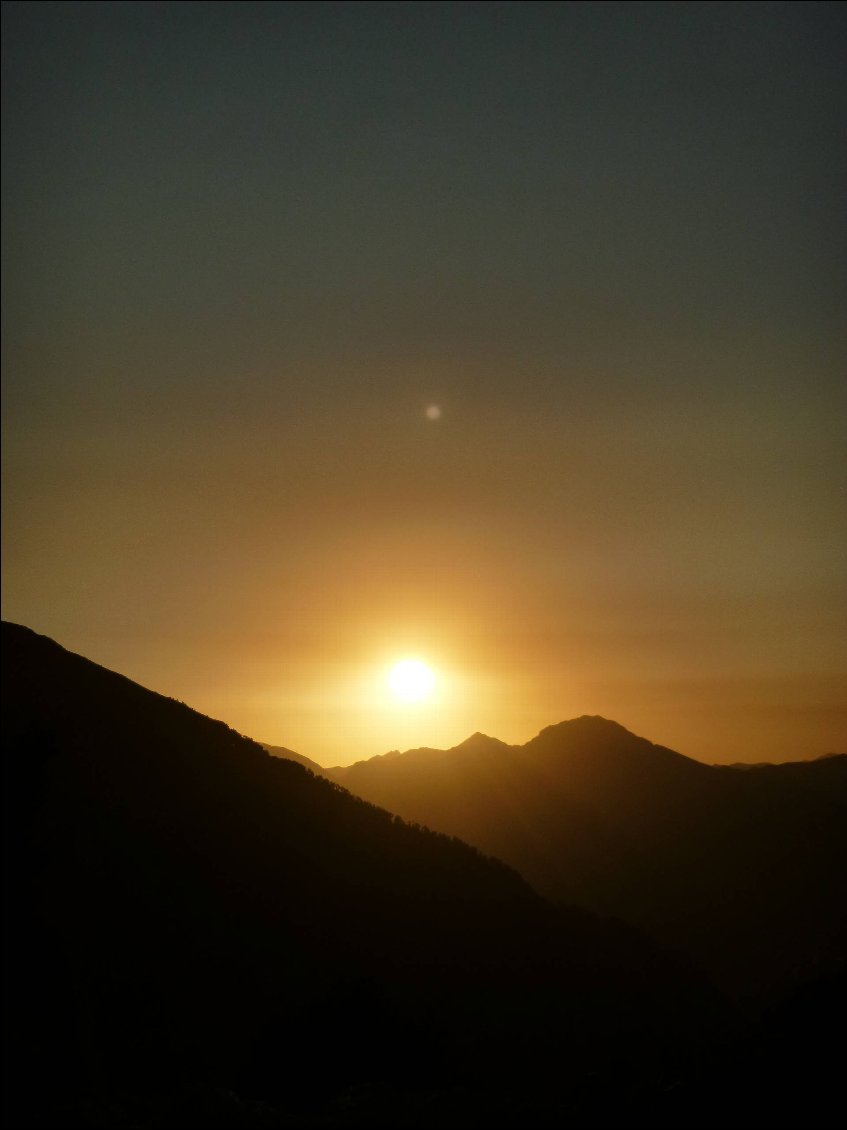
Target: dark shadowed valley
[[743, 868]]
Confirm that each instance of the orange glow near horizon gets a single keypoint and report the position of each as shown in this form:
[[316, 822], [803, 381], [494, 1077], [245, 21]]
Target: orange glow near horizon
[[304, 664]]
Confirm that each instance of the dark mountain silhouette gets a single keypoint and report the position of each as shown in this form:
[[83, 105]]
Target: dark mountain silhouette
[[746, 870], [203, 934]]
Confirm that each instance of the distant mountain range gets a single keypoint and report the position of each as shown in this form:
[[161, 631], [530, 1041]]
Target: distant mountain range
[[203, 934], [744, 871]]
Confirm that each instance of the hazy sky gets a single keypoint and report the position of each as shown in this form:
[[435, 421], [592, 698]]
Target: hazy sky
[[246, 246]]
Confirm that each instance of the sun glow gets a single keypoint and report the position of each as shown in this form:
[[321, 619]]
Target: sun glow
[[411, 680]]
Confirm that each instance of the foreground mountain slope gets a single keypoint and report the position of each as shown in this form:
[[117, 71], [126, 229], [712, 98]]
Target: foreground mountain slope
[[286, 754], [744, 870], [188, 910]]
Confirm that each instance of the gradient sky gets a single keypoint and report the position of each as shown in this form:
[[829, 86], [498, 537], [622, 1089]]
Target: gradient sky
[[247, 245]]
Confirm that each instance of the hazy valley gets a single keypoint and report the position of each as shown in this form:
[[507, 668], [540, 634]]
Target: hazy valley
[[742, 867]]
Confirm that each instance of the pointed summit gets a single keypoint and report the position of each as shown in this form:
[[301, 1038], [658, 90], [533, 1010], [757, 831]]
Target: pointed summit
[[479, 742]]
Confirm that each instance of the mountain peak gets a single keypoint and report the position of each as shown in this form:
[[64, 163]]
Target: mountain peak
[[479, 741], [585, 724]]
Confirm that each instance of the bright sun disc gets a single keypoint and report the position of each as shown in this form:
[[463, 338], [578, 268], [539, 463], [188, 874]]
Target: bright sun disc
[[411, 681]]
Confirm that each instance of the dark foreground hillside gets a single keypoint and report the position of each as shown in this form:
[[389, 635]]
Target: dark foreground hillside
[[204, 935]]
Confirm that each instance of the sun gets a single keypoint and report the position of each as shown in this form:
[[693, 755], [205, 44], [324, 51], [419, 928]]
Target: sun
[[411, 680]]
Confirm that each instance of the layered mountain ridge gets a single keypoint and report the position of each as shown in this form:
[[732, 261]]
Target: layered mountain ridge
[[744, 870]]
